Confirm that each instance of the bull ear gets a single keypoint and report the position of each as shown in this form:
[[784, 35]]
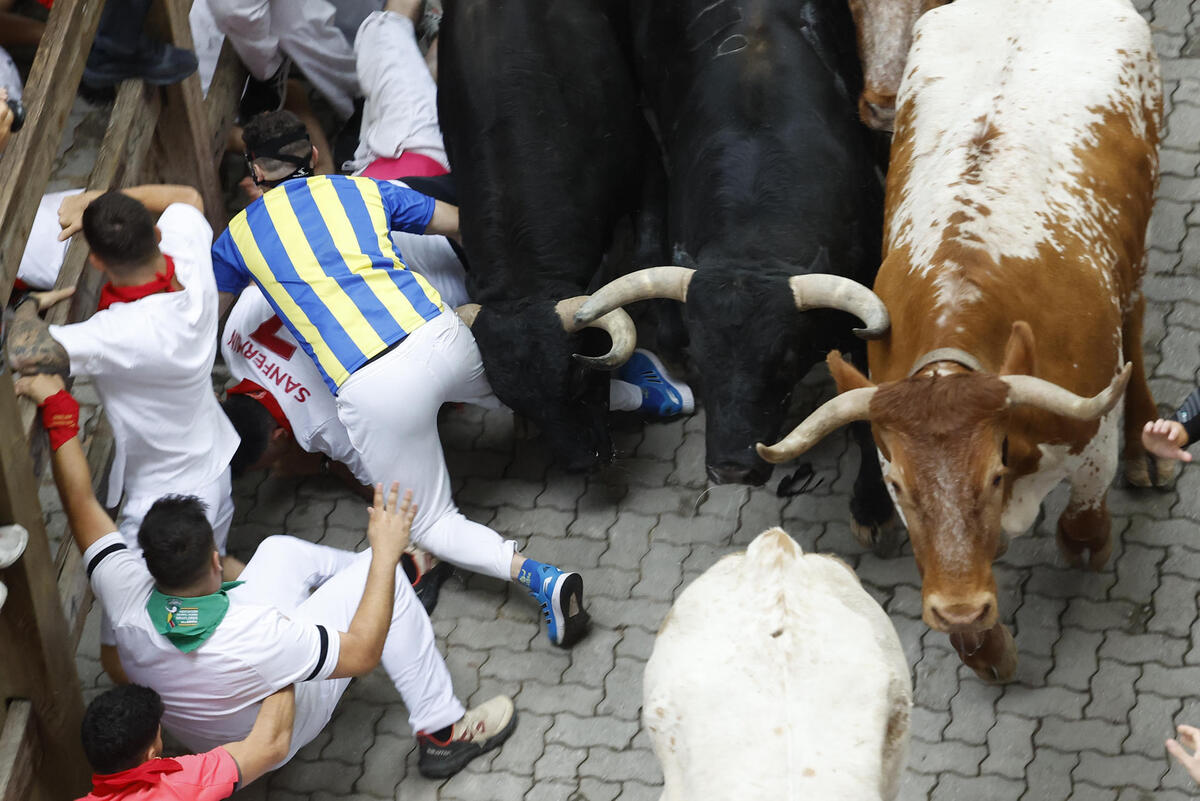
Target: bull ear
[[1019, 353], [845, 374]]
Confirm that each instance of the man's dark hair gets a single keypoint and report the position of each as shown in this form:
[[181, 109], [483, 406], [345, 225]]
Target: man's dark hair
[[276, 132], [176, 540], [254, 424], [119, 726], [120, 230]]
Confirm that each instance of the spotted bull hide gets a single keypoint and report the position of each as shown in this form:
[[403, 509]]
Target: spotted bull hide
[[776, 676]]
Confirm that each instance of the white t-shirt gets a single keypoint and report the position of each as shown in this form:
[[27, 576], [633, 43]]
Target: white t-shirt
[[211, 695], [44, 254], [151, 361], [433, 257], [259, 348]]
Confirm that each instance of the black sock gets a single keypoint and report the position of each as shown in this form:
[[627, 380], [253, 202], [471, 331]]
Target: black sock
[[443, 734]]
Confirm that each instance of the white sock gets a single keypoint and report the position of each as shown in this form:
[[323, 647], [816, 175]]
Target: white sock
[[623, 396]]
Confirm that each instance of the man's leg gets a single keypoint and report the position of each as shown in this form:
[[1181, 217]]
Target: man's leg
[[285, 570], [400, 113], [401, 393], [308, 34], [247, 23], [410, 655]]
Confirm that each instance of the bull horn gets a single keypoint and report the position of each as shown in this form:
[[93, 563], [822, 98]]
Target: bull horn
[[820, 291], [1025, 390], [468, 312], [616, 323], [848, 407], [668, 282]]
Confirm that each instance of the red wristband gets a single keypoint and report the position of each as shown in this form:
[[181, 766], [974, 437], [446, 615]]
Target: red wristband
[[60, 417]]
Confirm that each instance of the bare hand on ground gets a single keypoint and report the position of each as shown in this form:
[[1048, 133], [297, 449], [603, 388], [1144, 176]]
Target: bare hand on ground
[[1184, 750], [1166, 439], [390, 522]]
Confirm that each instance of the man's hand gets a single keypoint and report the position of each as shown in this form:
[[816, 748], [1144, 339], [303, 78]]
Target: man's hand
[[29, 347], [390, 523], [1166, 439], [70, 213], [6, 119], [1190, 737], [39, 387], [51, 297]]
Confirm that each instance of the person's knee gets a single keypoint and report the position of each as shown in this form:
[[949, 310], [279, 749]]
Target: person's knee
[[278, 547]]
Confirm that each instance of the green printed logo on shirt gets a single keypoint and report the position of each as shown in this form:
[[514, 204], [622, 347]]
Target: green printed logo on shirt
[[188, 622]]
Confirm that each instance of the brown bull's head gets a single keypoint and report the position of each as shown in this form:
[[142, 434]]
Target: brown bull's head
[[943, 437], [884, 36]]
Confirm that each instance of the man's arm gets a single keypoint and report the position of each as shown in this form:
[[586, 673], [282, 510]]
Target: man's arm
[[155, 197], [29, 348], [444, 220], [269, 741], [85, 516], [361, 647]]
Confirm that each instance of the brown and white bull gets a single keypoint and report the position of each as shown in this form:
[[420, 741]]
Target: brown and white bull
[[884, 35], [1023, 171], [798, 691]]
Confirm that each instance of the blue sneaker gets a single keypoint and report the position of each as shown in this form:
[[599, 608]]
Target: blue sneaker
[[662, 394], [561, 598]]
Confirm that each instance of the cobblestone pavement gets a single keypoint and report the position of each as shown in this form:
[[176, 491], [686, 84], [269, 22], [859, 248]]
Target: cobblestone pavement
[[1110, 662]]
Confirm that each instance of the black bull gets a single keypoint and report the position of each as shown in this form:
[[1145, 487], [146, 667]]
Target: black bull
[[542, 127], [771, 176]]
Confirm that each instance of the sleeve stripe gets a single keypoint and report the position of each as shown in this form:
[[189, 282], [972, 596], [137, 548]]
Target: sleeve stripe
[[98, 558], [324, 653]]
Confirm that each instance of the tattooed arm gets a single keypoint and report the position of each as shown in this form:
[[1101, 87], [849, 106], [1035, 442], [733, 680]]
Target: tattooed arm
[[30, 348]]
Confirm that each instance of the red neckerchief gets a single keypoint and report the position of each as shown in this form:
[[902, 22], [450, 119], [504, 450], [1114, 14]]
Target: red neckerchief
[[248, 387], [110, 294], [150, 773]]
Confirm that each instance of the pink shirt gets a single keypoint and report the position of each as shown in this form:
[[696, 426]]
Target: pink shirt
[[210, 776]]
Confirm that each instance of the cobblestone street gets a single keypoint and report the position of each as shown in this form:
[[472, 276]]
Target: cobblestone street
[[1110, 661]]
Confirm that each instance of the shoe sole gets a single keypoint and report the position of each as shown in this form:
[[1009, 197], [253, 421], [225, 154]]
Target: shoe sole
[[445, 770], [687, 399], [571, 629]]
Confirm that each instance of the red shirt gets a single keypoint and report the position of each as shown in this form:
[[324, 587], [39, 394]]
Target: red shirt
[[210, 776]]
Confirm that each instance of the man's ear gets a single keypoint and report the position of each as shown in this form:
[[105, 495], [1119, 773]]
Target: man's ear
[[1019, 353], [845, 374], [216, 561], [280, 433], [96, 262], [312, 162]]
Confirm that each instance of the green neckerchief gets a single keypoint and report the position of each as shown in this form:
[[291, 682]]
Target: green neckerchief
[[188, 622]]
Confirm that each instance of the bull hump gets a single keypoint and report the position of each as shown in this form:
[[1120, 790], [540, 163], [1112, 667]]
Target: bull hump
[[987, 80]]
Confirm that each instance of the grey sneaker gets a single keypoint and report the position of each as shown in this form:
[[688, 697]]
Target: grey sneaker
[[481, 729]]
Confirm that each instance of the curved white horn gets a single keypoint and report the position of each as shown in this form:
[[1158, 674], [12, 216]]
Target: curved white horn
[[847, 407], [468, 312], [617, 324], [668, 282], [822, 291], [1025, 390]]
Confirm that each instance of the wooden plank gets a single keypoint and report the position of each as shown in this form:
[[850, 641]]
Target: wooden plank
[[20, 752], [35, 660], [183, 141], [223, 95], [27, 160]]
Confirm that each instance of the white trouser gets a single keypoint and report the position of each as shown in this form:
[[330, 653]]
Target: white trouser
[[400, 111], [262, 31], [217, 497], [285, 570], [390, 407]]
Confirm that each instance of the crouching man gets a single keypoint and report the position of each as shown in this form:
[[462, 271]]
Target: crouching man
[[303, 614], [122, 737]]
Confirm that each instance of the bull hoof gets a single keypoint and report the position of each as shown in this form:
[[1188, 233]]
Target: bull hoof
[[882, 539], [1147, 471]]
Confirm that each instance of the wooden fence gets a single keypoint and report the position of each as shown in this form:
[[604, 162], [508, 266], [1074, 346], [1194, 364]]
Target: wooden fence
[[169, 134]]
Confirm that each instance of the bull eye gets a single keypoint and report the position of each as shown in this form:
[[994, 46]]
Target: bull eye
[[996, 479], [1004, 452]]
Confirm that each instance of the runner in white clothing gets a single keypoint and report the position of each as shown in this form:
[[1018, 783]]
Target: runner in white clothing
[[304, 614], [149, 351]]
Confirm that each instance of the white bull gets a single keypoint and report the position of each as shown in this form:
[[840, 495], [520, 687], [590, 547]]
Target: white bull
[[776, 676]]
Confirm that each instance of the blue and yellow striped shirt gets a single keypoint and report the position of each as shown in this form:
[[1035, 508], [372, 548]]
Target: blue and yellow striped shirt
[[319, 248]]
